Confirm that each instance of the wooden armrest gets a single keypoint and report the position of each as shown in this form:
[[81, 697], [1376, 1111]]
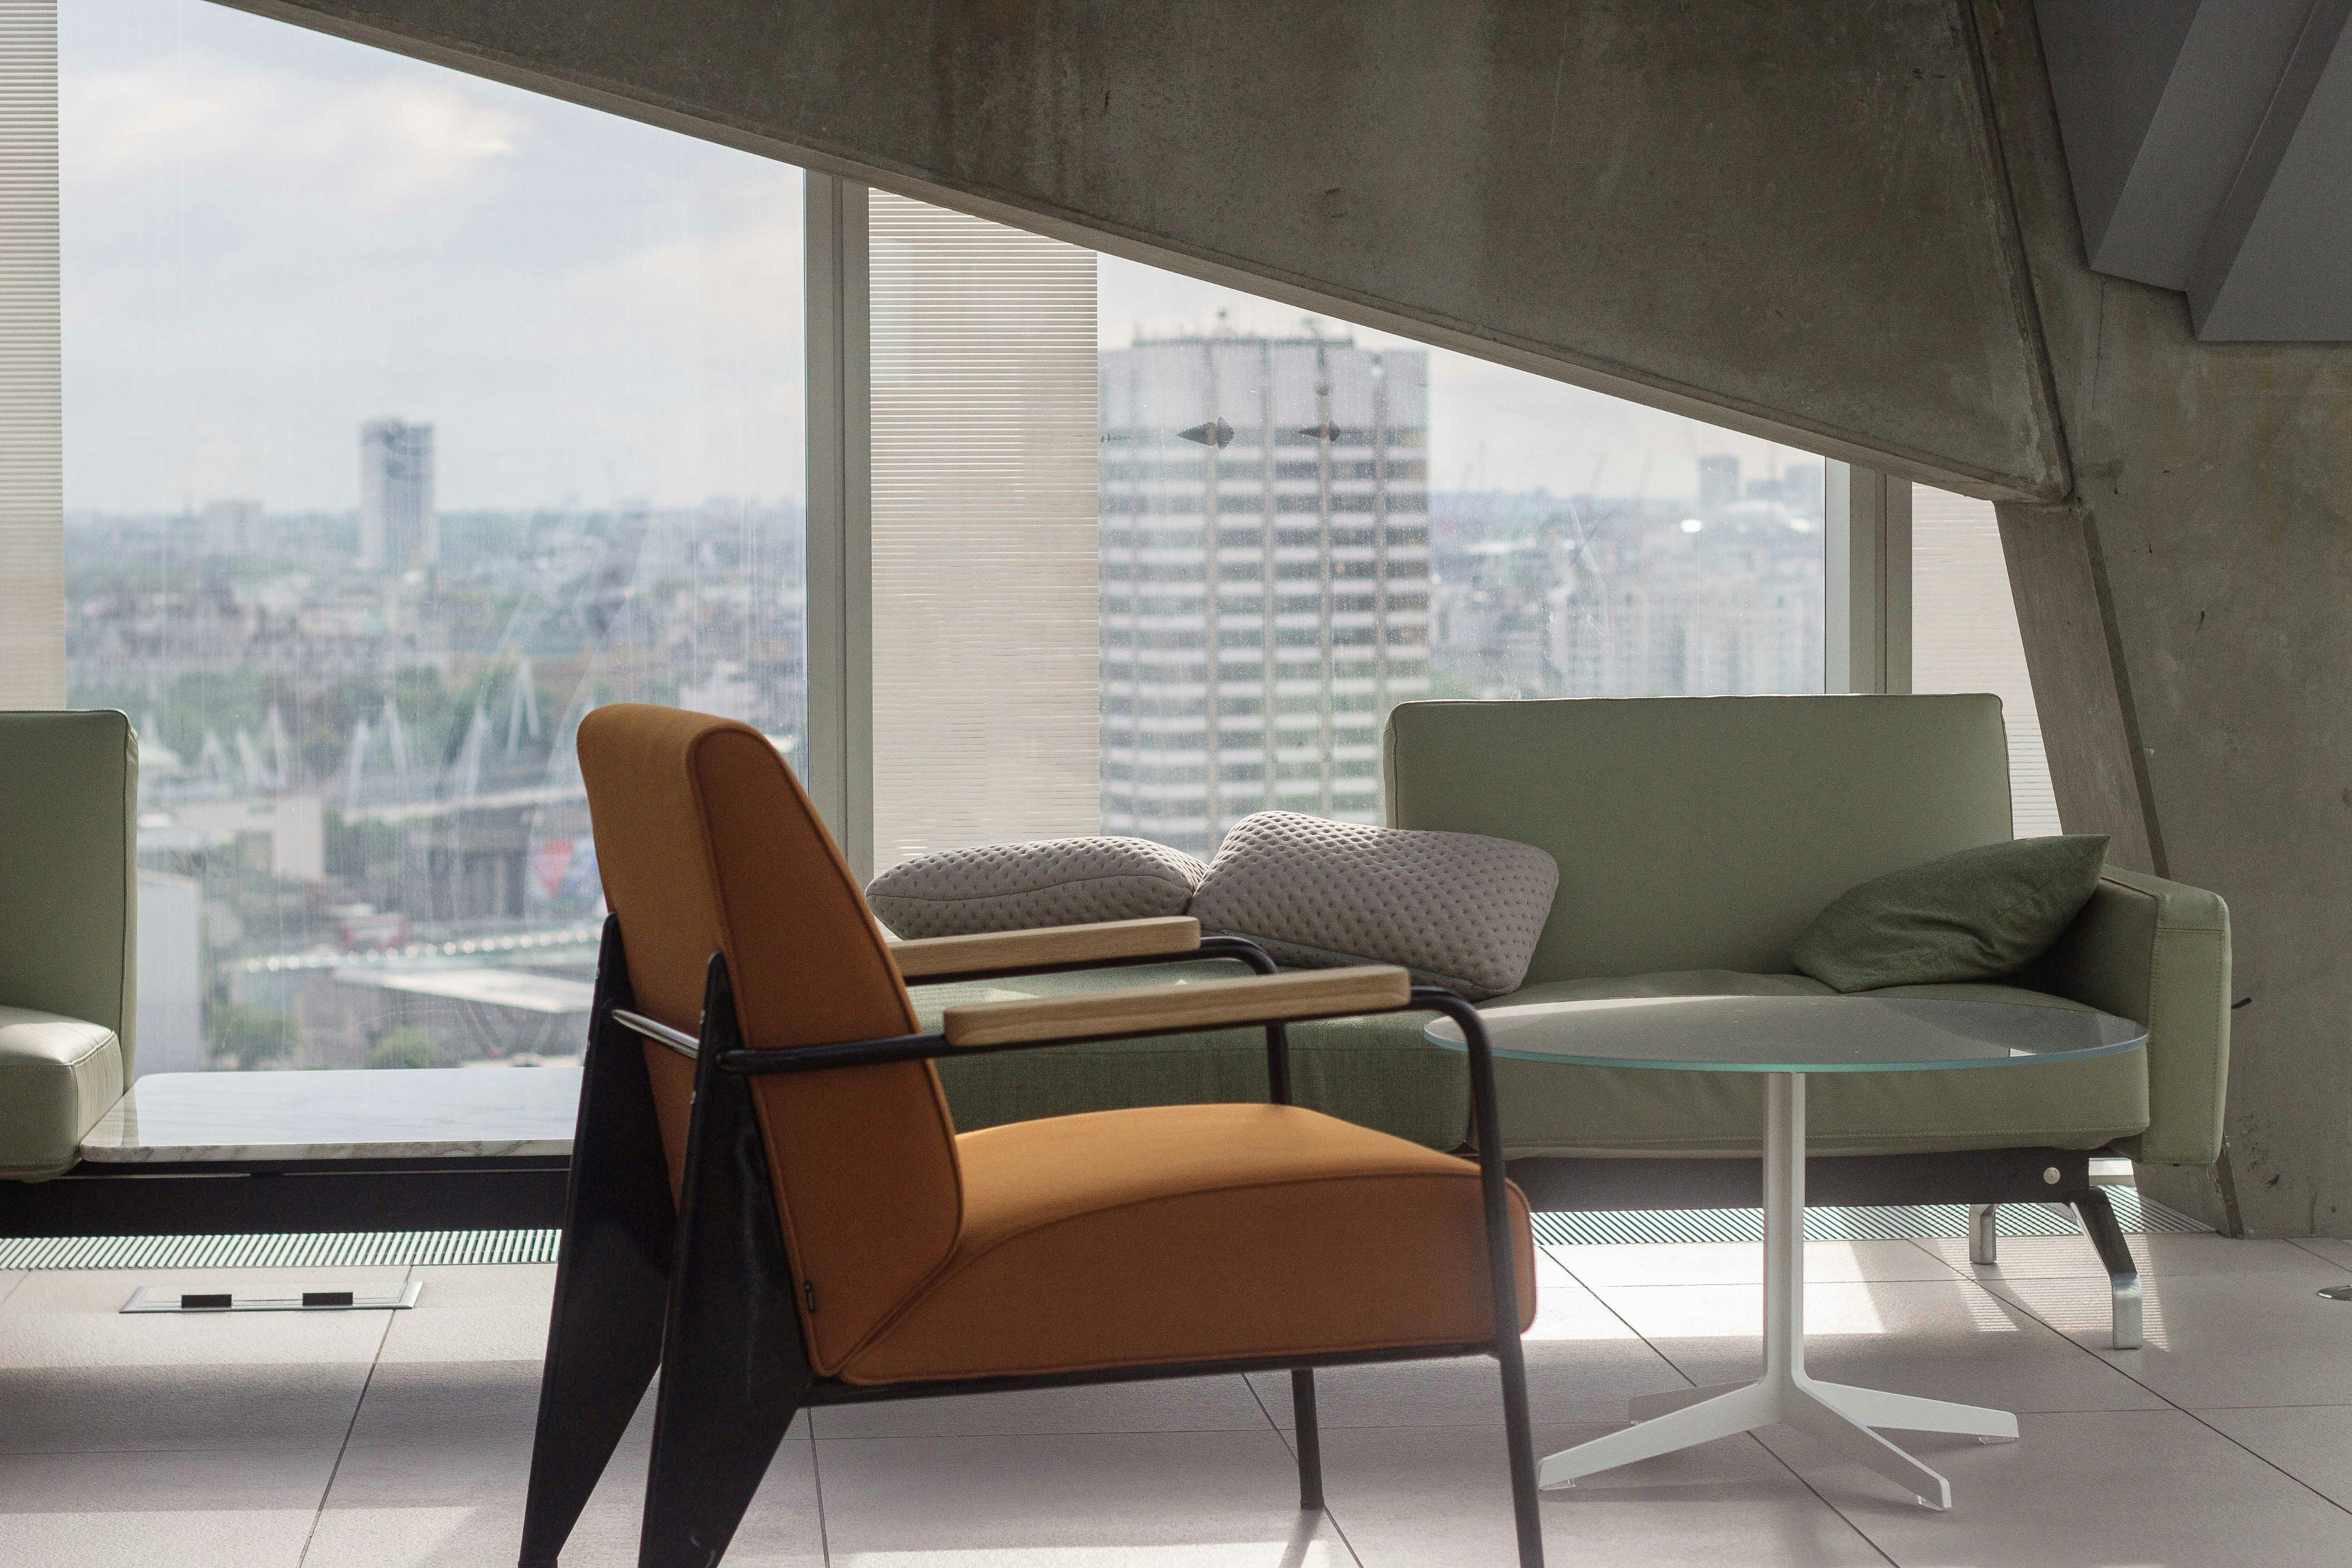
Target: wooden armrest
[[1212, 1004], [996, 952]]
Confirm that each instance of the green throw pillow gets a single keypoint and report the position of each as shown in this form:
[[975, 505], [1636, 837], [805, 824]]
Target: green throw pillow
[[1974, 916]]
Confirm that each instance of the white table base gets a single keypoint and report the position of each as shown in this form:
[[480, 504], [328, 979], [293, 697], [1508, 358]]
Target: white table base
[[1837, 1415]]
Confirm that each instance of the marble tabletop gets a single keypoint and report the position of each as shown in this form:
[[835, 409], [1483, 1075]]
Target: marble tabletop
[[434, 1112]]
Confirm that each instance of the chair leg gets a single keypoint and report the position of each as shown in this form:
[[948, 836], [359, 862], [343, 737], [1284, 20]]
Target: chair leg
[[1984, 1236], [1309, 1435], [734, 1370], [2126, 1332], [611, 1276], [1520, 1435]]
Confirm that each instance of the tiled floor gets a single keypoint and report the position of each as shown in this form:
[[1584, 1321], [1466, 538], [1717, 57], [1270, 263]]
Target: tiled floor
[[402, 1440]]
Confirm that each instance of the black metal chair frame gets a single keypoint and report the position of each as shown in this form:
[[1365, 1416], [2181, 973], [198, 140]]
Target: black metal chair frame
[[703, 1290]]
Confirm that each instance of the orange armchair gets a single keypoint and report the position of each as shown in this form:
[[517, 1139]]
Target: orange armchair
[[770, 1205]]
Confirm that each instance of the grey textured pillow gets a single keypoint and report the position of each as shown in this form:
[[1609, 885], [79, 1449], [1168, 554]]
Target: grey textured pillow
[[1974, 916], [1458, 910], [1018, 887]]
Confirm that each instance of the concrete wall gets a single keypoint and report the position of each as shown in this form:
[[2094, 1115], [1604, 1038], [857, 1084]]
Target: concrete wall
[[1814, 218], [2196, 601], [1788, 217]]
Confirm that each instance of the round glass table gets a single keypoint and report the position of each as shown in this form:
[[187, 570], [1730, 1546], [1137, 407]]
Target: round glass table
[[1787, 1039]]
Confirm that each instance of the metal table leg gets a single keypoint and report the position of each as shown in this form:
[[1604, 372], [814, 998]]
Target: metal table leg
[[1839, 1416]]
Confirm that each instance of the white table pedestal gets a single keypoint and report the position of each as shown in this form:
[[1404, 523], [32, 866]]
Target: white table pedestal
[[1838, 1415]]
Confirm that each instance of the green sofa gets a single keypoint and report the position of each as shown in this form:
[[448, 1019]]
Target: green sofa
[[1696, 837], [68, 931]]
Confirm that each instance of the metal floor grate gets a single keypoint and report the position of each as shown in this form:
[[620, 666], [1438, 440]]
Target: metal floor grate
[[392, 1249], [2136, 1215]]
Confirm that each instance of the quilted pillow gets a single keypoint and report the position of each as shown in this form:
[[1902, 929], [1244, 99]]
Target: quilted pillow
[[1459, 910], [1018, 887]]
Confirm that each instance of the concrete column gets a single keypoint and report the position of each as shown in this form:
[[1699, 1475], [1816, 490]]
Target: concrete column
[[2189, 620]]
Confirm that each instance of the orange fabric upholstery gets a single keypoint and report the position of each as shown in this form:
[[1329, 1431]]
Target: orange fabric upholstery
[[1188, 1233], [707, 844]]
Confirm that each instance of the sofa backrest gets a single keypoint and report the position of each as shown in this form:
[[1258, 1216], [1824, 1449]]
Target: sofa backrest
[[69, 867], [1702, 832]]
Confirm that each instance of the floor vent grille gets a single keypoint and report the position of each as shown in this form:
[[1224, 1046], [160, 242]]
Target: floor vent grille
[[2137, 1215], [442, 1248], [356, 1250]]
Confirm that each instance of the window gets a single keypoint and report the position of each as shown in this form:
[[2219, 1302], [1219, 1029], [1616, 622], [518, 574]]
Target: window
[[1964, 636], [1289, 527], [409, 416]]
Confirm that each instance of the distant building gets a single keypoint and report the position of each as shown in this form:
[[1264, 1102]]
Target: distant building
[[232, 526], [1265, 565], [399, 528], [1718, 481]]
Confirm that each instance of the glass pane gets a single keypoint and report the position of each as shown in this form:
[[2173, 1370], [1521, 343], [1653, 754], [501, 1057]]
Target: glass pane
[[1391, 522], [1293, 526], [1964, 636], [984, 440], [408, 417]]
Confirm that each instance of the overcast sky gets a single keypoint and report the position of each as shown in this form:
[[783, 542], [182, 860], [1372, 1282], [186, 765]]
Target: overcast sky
[[271, 236]]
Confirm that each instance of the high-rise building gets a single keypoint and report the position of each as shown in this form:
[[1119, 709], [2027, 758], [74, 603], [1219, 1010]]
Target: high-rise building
[[1264, 562], [398, 526]]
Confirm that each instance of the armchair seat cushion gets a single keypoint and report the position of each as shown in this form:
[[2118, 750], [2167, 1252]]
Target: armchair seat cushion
[[57, 1076], [1569, 1110], [1188, 1233]]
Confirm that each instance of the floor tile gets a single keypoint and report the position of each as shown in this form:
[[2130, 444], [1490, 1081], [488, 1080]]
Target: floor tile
[[2217, 1340], [84, 1409], [209, 1538], [1742, 1262], [1139, 1499], [63, 1318], [1583, 1363], [2090, 1488], [511, 1331], [1944, 1339], [2051, 1256], [1425, 1498], [484, 1285], [235, 1480], [368, 1526], [2312, 1443], [1183, 1405], [2327, 1250]]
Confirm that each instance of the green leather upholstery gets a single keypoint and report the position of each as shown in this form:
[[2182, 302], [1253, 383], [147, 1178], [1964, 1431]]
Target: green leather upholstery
[[1705, 832], [57, 1076], [1702, 832], [69, 934]]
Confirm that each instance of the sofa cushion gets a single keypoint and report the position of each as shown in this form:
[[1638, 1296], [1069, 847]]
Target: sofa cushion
[[1977, 914], [1459, 910], [1557, 1108], [1020, 887], [57, 1076]]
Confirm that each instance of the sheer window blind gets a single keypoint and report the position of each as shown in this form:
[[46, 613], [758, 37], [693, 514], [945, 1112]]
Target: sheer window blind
[[1964, 636], [32, 487], [986, 666]]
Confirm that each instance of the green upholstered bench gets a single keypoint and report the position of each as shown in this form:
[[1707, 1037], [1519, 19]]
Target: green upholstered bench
[[1696, 837]]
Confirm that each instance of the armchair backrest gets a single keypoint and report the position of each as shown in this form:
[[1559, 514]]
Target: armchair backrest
[[707, 843], [1702, 832], [69, 868]]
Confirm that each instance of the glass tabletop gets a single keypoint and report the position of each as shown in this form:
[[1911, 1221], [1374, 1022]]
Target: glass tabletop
[[1796, 1034]]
